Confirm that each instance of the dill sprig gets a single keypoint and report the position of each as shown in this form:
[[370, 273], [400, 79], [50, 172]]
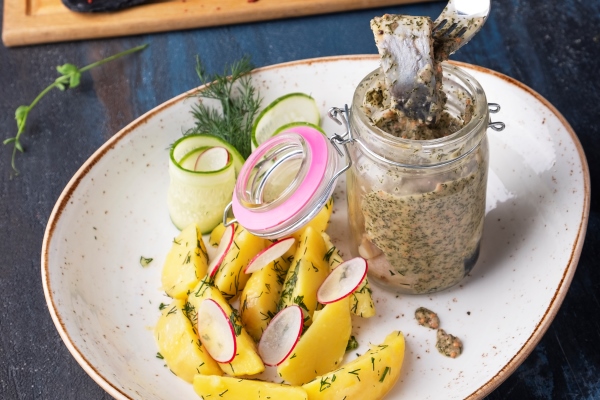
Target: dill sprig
[[239, 104]]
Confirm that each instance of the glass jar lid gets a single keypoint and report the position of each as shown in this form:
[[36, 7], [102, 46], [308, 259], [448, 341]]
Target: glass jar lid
[[285, 182]]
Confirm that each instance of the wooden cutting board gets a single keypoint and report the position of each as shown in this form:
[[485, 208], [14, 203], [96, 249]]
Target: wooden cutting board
[[42, 21]]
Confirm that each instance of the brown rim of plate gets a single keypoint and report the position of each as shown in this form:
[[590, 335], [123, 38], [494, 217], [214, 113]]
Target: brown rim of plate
[[481, 392]]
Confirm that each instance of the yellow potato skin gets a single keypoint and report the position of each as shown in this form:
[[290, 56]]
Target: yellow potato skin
[[319, 222], [361, 301], [216, 235], [185, 263], [179, 344], [307, 271], [225, 388], [368, 377], [321, 349], [230, 278], [259, 299], [246, 361]]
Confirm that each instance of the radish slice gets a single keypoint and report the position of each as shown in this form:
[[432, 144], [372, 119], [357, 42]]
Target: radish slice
[[224, 246], [342, 281], [281, 336], [216, 331], [212, 159], [271, 253]]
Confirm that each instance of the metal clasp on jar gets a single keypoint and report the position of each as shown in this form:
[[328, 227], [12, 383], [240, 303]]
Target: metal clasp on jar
[[498, 126], [341, 140]]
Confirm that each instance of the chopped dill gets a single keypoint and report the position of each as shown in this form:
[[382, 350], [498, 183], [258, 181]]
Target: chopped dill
[[352, 343], [385, 371], [144, 261]]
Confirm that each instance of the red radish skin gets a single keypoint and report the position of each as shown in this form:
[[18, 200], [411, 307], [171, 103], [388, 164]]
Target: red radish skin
[[331, 290], [271, 253], [281, 336], [216, 332], [222, 250], [216, 152]]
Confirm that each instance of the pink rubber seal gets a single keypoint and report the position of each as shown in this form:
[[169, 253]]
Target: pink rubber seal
[[317, 153]]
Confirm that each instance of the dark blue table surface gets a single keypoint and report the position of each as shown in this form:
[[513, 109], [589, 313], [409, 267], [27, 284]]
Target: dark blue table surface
[[550, 45]]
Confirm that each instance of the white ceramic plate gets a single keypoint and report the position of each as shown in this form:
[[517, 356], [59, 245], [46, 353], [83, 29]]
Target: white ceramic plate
[[113, 211]]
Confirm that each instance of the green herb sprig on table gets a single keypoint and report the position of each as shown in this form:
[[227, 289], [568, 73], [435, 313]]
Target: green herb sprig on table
[[69, 78], [239, 105]]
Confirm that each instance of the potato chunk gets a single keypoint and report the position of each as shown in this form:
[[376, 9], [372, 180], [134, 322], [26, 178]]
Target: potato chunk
[[259, 299], [179, 345], [368, 377], [307, 272], [226, 388], [361, 302], [246, 361], [216, 234], [322, 347], [185, 264], [230, 278], [319, 222]]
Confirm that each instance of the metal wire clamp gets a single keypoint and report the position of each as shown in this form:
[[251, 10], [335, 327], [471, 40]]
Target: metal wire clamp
[[497, 125]]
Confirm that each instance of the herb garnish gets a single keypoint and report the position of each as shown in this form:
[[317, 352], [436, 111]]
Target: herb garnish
[[355, 373], [239, 105], [172, 310], [325, 384], [234, 318], [144, 262], [352, 343], [385, 371], [327, 255], [70, 76]]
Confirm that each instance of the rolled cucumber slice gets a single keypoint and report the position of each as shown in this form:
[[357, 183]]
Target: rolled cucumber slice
[[182, 147], [292, 107], [199, 197]]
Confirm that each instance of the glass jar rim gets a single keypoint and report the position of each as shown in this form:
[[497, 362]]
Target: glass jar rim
[[464, 134], [269, 220]]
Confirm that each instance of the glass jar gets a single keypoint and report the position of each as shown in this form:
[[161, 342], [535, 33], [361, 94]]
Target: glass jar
[[416, 207]]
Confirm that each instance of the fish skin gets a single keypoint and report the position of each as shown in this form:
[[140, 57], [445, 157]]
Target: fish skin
[[412, 73], [87, 6]]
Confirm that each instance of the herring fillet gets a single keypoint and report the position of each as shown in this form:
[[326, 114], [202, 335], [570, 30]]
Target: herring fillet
[[411, 72]]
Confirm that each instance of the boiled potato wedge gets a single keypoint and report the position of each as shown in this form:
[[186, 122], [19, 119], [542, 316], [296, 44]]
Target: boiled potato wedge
[[220, 387], [322, 347], [368, 377], [260, 297], [319, 222], [246, 361], [306, 273], [361, 301], [332, 256], [185, 264], [230, 278], [216, 234], [179, 345]]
